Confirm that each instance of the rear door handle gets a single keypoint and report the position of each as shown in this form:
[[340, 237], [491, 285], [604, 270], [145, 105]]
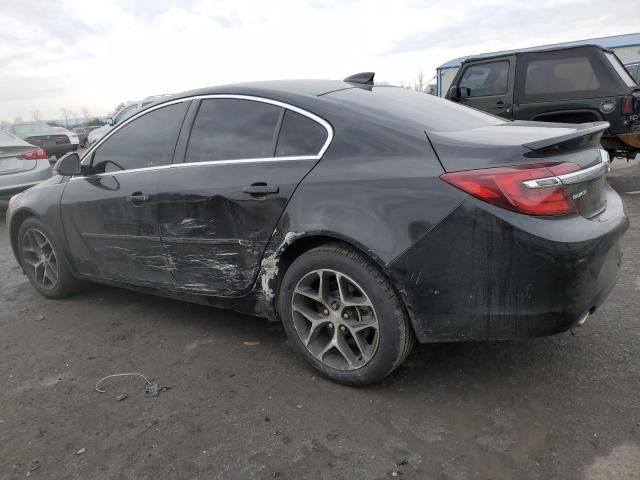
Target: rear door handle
[[137, 198], [260, 189]]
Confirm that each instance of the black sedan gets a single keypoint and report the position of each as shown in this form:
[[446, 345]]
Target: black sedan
[[363, 217]]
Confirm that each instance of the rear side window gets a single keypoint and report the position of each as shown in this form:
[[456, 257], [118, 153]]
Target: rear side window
[[486, 79], [147, 141], [300, 136], [231, 129], [620, 70], [559, 75]]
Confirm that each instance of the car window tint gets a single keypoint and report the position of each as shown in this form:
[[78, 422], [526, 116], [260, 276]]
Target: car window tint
[[228, 129], [147, 141], [299, 135], [559, 75], [486, 79]]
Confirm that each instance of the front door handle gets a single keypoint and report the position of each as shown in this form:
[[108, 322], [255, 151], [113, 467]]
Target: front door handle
[[260, 188], [137, 198], [499, 105]]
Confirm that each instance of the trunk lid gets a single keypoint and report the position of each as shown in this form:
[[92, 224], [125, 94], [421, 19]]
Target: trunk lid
[[11, 149], [520, 144]]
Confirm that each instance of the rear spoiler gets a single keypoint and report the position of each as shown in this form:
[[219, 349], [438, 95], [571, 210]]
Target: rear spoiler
[[594, 129]]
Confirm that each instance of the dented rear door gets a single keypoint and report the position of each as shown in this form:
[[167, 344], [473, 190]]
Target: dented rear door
[[242, 162]]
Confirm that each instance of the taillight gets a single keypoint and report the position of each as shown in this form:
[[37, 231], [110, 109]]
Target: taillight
[[505, 187], [38, 154], [627, 105]]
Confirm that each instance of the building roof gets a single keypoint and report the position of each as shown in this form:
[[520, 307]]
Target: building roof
[[617, 41]]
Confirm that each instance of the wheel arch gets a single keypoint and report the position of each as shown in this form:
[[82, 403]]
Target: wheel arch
[[17, 219], [295, 245]]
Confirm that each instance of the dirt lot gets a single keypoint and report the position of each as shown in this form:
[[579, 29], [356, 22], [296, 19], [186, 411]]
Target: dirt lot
[[242, 406]]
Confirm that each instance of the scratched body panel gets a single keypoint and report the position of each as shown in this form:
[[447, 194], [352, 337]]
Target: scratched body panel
[[111, 238], [213, 233]]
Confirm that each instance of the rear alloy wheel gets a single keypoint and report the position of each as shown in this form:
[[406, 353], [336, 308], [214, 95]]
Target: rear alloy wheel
[[335, 319], [342, 315], [42, 261]]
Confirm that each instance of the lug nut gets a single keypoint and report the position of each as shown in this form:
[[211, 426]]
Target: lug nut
[[325, 311], [334, 305], [331, 326], [342, 328], [345, 316]]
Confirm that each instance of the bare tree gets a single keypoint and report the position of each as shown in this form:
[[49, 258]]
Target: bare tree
[[85, 112], [419, 83], [17, 119], [66, 113], [35, 114]]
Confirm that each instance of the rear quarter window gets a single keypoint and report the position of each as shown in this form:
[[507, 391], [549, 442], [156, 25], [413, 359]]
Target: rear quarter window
[[300, 136]]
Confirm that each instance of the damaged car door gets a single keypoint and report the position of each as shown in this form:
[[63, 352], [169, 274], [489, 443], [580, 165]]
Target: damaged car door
[[242, 161], [110, 213]]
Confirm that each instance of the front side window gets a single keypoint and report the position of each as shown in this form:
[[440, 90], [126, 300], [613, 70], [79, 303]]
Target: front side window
[[485, 79], [231, 129], [125, 113], [147, 141], [560, 75], [300, 136]]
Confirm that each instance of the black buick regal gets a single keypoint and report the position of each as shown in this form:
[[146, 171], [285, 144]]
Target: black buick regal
[[363, 217]]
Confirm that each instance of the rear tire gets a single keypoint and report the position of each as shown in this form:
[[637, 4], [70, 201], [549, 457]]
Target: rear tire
[[343, 316], [43, 262]]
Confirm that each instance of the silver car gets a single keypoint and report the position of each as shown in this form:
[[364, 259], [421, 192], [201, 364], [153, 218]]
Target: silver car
[[22, 165]]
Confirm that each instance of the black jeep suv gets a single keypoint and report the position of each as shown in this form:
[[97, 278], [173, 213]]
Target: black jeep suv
[[569, 85]]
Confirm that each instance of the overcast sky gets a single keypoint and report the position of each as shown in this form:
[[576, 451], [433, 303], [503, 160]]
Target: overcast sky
[[83, 54]]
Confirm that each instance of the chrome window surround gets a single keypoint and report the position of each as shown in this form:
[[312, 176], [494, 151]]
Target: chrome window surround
[[573, 177], [87, 156]]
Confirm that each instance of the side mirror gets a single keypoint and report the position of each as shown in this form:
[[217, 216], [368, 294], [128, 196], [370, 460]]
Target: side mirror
[[68, 165], [454, 93], [109, 121]]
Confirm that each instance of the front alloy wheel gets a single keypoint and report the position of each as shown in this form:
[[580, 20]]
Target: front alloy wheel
[[40, 258]]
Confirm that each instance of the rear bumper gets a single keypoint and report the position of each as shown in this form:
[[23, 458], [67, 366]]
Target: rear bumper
[[486, 273]]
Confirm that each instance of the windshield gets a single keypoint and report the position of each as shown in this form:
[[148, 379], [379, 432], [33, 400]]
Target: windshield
[[32, 129], [624, 74]]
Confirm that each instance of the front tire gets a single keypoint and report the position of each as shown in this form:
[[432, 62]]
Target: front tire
[[343, 316], [43, 262]]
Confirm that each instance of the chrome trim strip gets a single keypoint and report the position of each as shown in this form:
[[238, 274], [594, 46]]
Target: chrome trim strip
[[573, 177], [293, 108], [586, 174], [196, 164]]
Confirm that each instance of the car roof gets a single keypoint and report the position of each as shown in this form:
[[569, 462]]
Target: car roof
[[533, 51]]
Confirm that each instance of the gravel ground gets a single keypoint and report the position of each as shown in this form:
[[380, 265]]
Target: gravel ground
[[242, 406]]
